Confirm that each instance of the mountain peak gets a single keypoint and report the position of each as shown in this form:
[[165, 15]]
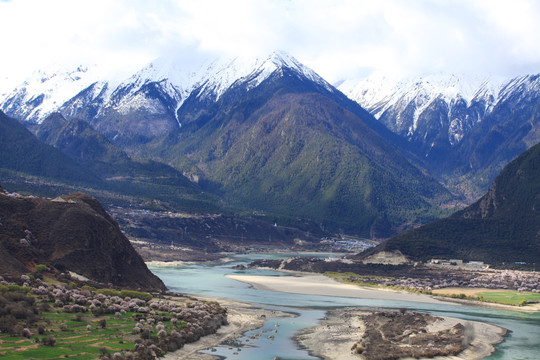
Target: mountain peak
[[220, 74]]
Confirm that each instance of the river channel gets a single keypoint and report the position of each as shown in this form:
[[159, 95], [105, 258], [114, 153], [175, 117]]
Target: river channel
[[522, 342]]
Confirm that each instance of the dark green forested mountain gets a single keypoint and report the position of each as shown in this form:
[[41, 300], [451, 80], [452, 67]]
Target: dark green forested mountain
[[291, 147], [82, 158], [21, 152], [79, 140], [133, 176], [502, 227]]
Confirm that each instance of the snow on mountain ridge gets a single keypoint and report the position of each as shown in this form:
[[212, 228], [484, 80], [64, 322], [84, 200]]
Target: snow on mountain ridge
[[46, 91], [253, 71], [420, 108], [377, 93], [57, 89]]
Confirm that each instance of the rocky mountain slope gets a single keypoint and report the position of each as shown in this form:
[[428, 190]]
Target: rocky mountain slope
[[72, 232], [501, 227], [82, 158]]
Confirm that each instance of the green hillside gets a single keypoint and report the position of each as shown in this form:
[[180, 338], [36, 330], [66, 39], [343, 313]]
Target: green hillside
[[21, 152]]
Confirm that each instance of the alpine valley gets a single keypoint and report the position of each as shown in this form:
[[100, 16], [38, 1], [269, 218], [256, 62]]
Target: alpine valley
[[270, 138]]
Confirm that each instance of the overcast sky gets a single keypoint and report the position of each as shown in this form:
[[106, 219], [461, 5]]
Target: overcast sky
[[337, 38]]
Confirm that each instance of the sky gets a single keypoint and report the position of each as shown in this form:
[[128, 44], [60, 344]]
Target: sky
[[339, 39]]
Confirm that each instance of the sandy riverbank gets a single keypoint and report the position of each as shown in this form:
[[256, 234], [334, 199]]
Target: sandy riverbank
[[241, 316], [317, 284], [338, 332]]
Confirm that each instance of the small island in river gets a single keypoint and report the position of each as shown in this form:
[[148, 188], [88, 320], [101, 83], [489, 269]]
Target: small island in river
[[353, 333]]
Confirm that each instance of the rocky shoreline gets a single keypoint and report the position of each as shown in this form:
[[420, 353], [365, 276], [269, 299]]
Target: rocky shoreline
[[241, 317]]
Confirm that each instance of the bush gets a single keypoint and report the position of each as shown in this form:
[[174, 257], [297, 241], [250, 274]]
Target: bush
[[136, 294], [13, 288], [88, 288], [39, 268], [17, 330], [44, 307], [48, 341], [108, 292]]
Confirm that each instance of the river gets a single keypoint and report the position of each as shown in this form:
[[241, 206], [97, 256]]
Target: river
[[522, 342]]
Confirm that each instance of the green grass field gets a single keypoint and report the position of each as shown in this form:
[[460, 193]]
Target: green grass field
[[75, 341], [509, 297]]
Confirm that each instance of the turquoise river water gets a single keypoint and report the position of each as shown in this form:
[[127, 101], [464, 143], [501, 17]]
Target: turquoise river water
[[522, 341]]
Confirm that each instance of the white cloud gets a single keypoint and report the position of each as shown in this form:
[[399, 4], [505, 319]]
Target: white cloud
[[337, 38]]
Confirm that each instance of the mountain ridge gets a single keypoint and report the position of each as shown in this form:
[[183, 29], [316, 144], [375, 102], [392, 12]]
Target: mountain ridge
[[502, 227], [462, 130]]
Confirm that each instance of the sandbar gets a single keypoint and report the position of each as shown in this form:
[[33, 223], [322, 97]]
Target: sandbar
[[317, 284]]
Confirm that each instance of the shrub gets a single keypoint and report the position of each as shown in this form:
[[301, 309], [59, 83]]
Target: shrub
[[97, 311], [108, 292], [44, 307], [17, 330], [39, 268], [145, 333], [136, 294], [48, 341], [88, 288]]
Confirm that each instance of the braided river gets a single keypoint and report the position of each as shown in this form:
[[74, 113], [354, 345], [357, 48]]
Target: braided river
[[208, 279]]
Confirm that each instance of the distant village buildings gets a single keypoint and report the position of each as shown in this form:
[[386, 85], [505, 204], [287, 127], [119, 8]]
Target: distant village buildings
[[459, 262]]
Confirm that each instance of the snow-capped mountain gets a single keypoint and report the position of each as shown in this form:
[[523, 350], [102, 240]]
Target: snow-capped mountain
[[146, 104], [427, 110], [222, 74], [450, 121], [465, 129], [46, 91]]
